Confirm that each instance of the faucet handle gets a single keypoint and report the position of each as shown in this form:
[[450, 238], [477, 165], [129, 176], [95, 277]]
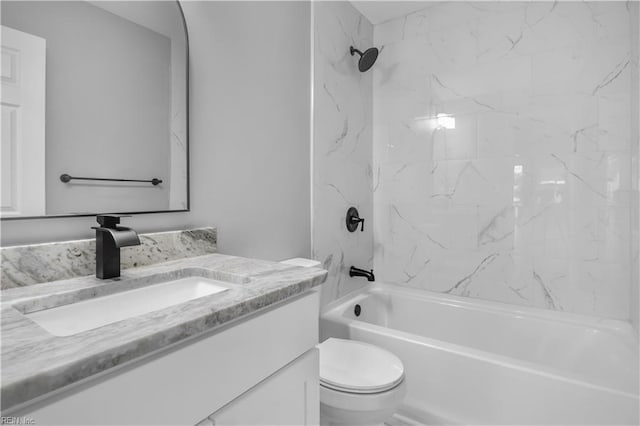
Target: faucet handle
[[353, 219], [110, 220]]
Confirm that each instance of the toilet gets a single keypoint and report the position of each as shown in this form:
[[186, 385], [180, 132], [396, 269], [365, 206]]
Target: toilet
[[360, 384]]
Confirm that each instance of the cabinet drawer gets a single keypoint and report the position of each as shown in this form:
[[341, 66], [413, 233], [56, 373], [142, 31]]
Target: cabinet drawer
[[187, 383], [289, 397]]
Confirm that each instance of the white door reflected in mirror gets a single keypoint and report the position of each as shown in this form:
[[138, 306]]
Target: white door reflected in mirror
[[23, 124]]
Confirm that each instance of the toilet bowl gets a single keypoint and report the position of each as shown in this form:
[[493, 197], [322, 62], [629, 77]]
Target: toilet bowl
[[360, 384]]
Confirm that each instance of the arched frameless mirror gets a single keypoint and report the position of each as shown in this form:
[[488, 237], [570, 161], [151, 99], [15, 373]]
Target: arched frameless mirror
[[94, 108]]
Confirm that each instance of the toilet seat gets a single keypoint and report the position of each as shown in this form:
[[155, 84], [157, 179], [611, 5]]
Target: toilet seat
[[357, 367]]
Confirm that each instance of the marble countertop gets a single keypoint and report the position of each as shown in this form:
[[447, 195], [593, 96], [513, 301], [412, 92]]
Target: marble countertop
[[35, 362]]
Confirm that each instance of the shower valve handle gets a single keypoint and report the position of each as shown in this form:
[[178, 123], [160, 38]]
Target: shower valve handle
[[353, 219], [355, 222]]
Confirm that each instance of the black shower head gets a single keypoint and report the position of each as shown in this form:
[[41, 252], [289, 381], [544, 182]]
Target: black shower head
[[367, 59]]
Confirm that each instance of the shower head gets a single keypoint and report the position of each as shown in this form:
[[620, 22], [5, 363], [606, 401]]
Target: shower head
[[367, 59]]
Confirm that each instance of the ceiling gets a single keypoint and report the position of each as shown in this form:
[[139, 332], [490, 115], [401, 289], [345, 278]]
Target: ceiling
[[381, 11]]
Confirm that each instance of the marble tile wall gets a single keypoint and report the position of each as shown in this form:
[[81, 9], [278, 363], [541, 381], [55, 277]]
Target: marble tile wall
[[178, 159], [526, 198], [38, 263], [342, 145]]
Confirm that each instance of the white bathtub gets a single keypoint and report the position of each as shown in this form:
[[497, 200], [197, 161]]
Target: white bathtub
[[476, 362]]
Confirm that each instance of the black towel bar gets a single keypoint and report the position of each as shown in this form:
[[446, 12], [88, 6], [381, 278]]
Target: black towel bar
[[66, 178]]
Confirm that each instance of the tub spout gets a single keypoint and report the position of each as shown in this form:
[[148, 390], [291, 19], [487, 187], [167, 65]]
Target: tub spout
[[357, 272]]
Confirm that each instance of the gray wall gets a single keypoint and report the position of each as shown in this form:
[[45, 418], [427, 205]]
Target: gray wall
[[249, 105], [635, 167], [107, 105]]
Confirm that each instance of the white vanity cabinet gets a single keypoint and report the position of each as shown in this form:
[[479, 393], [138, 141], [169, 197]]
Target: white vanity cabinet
[[262, 369], [289, 397]]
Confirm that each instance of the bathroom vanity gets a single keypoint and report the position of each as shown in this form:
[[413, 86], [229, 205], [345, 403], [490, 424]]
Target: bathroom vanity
[[229, 357]]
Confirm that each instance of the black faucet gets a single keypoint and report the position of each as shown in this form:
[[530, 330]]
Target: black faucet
[[109, 238], [357, 272]]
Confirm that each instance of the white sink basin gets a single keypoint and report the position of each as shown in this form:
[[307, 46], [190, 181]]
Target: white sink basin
[[77, 317]]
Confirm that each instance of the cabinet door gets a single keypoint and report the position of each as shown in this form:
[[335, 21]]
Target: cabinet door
[[289, 397]]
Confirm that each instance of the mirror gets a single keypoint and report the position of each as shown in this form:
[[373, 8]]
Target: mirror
[[94, 108]]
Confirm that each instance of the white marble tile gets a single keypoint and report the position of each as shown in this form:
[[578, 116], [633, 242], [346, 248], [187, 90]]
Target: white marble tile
[[459, 143], [342, 146], [496, 134], [527, 200]]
